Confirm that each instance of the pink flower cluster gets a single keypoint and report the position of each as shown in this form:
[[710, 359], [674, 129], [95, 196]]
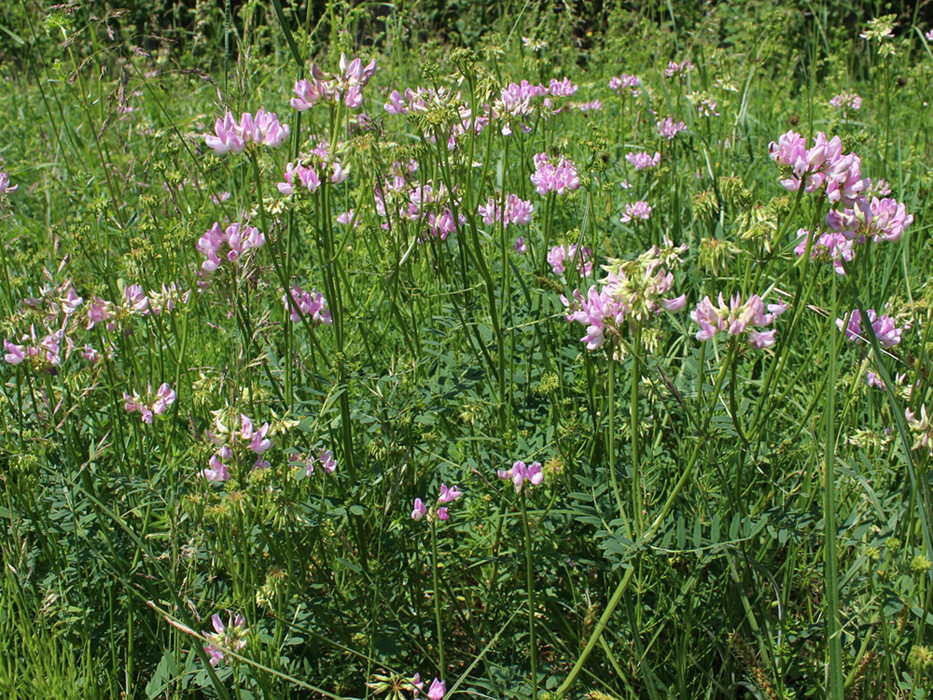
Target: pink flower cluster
[[347, 86], [822, 166], [42, 354], [255, 440], [514, 104], [633, 290], [583, 257], [515, 211], [304, 175], [417, 203], [520, 473], [448, 495], [737, 319], [593, 106], [324, 457], [846, 100], [636, 210], [232, 136], [668, 128], [834, 246], [922, 428], [421, 100], [163, 398], [629, 82], [225, 638], [550, 176], [231, 243], [135, 303], [312, 304], [5, 187], [884, 328], [678, 69], [880, 219], [643, 160]]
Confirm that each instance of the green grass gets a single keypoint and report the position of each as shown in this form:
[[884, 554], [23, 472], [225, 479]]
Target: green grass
[[712, 520]]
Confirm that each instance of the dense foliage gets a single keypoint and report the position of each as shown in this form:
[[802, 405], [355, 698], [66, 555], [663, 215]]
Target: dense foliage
[[541, 350]]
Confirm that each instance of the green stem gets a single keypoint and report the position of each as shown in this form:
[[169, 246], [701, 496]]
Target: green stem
[[441, 667], [530, 590]]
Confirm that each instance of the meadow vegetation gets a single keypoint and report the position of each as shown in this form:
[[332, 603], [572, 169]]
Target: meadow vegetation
[[527, 350]]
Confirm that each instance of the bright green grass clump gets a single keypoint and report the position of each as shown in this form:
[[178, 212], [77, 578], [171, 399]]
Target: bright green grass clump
[[390, 352]]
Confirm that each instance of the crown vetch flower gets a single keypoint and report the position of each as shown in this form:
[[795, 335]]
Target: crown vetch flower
[[885, 330], [231, 136], [737, 319], [559, 177], [520, 473], [448, 495], [643, 160], [311, 304], [231, 637], [420, 510], [5, 187]]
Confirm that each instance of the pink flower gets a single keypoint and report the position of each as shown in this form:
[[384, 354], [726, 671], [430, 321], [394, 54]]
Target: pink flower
[[520, 473], [442, 514], [15, 353], [822, 167], [515, 211], [225, 638], [643, 160], [678, 69], [437, 690], [550, 177], [5, 187], [232, 136], [887, 333], [562, 88], [312, 304], [583, 257], [326, 458], [836, 246], [520, 246], [165, 397], [846, 99], [636, 210], [737, 319], [448, 495], [420, 510], [630, 82], [668, 128], [217, 471]]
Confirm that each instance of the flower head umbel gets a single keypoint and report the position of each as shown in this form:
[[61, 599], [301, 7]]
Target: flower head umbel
[[884, 328], [230, 243], [668, 128], [822, 167], [5, 187], [554, 175], [633, 290], [311, 304], [231, 136], [439, 511], [643, 160], [582, 257], [225, 638], [921, 428], [737, 319], [636, 211], [345, 86], [515, 211], [846, 100], [520, 473]]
